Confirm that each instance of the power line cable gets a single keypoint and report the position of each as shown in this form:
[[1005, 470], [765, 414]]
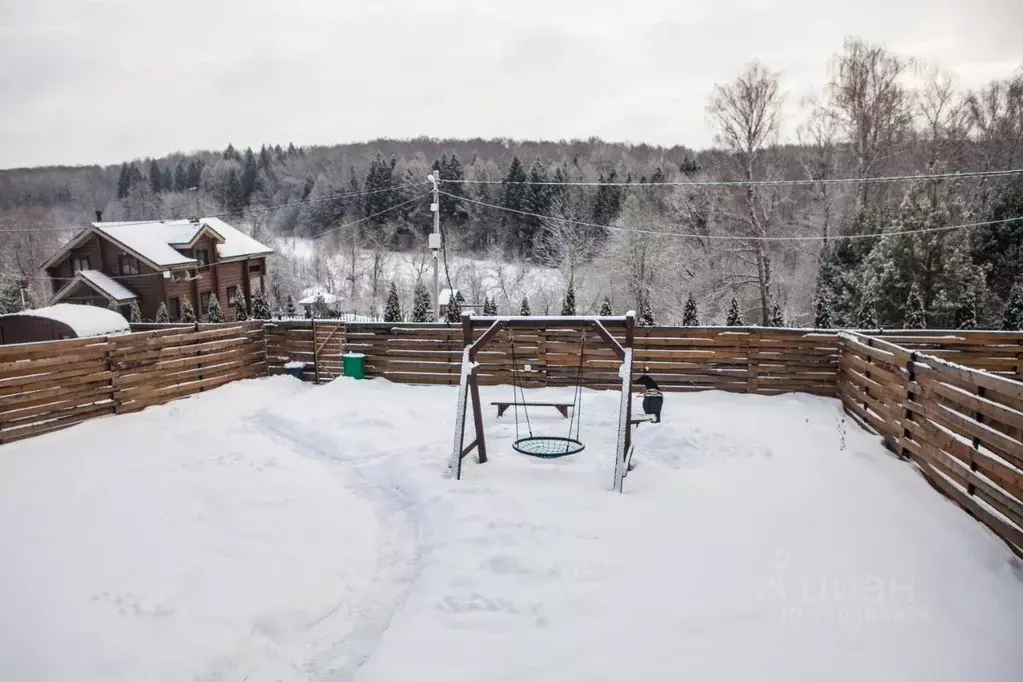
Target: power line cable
[[744, 183], [724, 237], [374, 215], [261, 209]]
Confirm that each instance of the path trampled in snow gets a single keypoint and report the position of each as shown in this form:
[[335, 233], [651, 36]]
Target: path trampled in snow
[[318, 537]]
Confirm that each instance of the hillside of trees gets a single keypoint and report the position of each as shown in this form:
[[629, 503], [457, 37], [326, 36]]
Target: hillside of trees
[[813, 252]]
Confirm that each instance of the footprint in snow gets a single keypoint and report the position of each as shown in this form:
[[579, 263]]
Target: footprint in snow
[[475, 603]]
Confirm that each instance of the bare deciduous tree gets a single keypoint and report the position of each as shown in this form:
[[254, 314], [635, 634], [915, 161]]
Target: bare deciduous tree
[[818, 139], [508, 277], [996, 117], [946, 120], [746, 115], [873, 108]]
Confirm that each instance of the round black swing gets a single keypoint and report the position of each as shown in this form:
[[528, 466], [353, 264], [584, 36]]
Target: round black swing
[[548, 447]]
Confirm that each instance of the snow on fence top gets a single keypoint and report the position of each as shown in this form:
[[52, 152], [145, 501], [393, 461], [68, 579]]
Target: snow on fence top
[[84, 320]]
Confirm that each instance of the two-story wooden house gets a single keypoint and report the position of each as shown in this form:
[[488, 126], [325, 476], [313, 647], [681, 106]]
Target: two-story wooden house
[[154, 262]]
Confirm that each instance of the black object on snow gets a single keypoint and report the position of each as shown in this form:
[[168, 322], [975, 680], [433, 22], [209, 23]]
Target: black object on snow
[[653, 399]]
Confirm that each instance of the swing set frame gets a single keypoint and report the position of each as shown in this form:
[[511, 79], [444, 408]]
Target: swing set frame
[[469, 390]]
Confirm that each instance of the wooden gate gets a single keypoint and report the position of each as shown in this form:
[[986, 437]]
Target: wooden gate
[[328, 347]]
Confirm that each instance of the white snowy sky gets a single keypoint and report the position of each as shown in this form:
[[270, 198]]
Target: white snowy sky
[[100, 81]]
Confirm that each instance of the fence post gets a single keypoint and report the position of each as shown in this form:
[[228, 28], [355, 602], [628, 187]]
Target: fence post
[[866, 373], [113, 377], [907, 414], [266, 349], [543, 369], [198, 354], [970, 488], [753, 363], [1019, 361], [316, 355]]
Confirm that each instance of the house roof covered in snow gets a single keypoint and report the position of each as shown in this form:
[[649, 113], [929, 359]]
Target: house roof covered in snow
[[84, 320], [157, 242], [310, 295], [99, 282], [445, 296]]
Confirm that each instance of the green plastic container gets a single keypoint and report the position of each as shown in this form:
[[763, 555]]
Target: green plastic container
[[354, 365], [294, 369]]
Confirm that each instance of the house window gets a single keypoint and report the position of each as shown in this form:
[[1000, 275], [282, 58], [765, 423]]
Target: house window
[[203, 256], [254, 267], [129, 265], [174, 309], [204, 302], [232, 295], [79, 263]]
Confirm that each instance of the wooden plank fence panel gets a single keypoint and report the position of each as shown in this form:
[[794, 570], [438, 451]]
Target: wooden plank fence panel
[[963, 427], [959, 425], [730, 359], [51, 385]]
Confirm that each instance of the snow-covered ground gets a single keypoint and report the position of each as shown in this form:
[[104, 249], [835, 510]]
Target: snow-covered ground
[[269, 530]]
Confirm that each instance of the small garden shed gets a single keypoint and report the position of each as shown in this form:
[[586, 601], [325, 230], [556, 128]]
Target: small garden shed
[[60, 321]]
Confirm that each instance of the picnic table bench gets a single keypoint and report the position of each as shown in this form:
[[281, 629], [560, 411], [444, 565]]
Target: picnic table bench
[[503, 405]]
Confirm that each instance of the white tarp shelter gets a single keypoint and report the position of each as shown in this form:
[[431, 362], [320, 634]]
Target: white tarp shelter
[[61, 321]]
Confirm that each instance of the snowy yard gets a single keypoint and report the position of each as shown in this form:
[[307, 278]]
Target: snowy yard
[[270, 530]]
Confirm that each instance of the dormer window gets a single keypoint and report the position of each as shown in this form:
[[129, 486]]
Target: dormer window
[[203, 256]]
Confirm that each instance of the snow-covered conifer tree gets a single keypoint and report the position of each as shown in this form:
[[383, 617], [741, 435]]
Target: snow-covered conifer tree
[[915, 316], [162, 316], [392, 311], [420, 303], [215, 314], [690, 315], [734, 318], [187, 312]]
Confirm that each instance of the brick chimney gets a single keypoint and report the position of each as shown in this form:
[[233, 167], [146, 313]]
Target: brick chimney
[[99, 216]]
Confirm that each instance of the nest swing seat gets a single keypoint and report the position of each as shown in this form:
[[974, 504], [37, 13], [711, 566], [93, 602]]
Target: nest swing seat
[[548, 447]]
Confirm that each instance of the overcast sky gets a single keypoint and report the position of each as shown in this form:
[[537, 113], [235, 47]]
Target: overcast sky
[[84, 81]]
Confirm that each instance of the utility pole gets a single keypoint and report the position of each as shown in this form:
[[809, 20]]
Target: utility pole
[[435, 242]]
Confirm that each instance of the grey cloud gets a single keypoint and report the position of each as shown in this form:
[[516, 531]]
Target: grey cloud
[[104, 81]]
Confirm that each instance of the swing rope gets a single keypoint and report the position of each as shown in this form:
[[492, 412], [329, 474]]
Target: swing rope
[[577, 398], [516, 383]]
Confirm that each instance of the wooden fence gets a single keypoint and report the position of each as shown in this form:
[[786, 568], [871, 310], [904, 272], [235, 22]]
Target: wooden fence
[[52, 385], [996, 352], [746, 360], [963, 428]]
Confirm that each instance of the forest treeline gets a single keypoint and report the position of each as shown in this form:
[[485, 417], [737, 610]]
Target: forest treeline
[[608, 218]]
